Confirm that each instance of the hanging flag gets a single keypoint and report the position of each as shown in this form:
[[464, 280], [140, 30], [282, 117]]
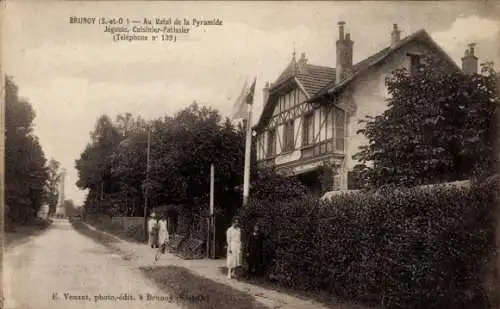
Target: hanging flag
[[251, 91], [240, 108]]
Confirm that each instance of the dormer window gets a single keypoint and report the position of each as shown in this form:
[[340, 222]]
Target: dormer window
[[271, 142]]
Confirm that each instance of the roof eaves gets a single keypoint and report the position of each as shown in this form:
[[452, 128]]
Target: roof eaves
[[297, 80], [276, 85], [272, 89]]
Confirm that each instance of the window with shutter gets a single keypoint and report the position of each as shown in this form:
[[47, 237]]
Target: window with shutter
[[415, 63], [288, 129], [271, 143], [308, 129], [339, 130]]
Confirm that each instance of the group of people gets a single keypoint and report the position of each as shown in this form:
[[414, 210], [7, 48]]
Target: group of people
[[254, 254], [158, 237], [157, 230]]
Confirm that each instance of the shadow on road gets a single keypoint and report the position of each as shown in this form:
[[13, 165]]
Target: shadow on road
[[323, 298], [196, 292]]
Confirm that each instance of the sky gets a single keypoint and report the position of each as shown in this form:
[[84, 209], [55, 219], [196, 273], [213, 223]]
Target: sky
[[73, 73]]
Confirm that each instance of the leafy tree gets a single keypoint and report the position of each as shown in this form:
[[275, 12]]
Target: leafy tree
[[128, 166], [440, 126], [182, 148], [94, 164], [25, 170]]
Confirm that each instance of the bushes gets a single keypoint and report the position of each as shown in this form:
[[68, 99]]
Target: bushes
[[136, 233], [409, 248]]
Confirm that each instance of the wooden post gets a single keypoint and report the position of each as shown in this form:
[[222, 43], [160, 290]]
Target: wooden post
[[212, 176], [208, 238], [211, 218], [213, 230], [146, 191]]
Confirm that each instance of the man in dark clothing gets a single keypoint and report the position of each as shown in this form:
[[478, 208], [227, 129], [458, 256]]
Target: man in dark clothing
[[255, 252]]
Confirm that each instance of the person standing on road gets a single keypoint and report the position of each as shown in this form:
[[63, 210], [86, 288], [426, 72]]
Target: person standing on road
[[152, 231], [233, 238], [162, 237], [255, 252]]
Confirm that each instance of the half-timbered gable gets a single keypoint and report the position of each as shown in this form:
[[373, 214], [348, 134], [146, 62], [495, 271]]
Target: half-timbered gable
[[309, 124]]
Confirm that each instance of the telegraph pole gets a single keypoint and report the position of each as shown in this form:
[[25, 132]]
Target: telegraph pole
[[146, 191]]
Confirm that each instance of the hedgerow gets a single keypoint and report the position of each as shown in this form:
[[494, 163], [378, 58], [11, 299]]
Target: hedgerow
[[406, 248]]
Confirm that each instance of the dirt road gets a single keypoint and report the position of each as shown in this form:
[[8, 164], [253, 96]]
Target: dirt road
[[64, 269]]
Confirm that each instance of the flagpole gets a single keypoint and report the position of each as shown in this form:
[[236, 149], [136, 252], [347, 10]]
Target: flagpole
[[246, 97], [248, 146]]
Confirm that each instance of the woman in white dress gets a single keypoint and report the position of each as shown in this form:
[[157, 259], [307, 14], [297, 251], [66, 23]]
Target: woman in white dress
[[162, 232], [234, 256], [151, 230]]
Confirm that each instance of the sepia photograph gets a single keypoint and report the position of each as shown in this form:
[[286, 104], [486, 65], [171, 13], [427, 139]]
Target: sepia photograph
[[250, 154]]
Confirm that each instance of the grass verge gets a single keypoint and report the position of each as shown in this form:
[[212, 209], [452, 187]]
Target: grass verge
[[196, 292], [83, 229], [18, 234], [324, 298], [135, 235]]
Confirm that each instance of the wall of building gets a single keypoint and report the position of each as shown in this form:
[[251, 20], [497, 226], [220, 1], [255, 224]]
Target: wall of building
[[370, 93]]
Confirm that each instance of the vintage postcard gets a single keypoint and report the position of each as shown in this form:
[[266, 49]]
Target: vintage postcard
[[250, 154]]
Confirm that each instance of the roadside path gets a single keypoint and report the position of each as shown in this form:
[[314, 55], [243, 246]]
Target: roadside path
[[143, 256]]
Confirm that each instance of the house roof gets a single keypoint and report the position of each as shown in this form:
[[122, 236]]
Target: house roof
[[318, 81], [377, 58], [311, 77], [316, 78]]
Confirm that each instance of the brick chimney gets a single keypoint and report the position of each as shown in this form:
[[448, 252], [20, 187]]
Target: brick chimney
[[265, 92], [469, 60], [395, 35], [344, 53]]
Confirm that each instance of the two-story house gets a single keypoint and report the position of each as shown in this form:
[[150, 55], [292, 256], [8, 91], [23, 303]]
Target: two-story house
[[308, 127]]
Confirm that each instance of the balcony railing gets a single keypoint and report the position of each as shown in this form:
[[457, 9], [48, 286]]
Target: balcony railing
[[317, 149], [309, 151]]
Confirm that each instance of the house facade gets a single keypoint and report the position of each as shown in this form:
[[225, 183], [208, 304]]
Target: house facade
[[308, 127]]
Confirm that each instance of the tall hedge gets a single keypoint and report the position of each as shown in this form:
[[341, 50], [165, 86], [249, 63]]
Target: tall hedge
[[406, 248]]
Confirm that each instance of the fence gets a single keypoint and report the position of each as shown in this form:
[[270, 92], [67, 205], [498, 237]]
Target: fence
[[128, 223]]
